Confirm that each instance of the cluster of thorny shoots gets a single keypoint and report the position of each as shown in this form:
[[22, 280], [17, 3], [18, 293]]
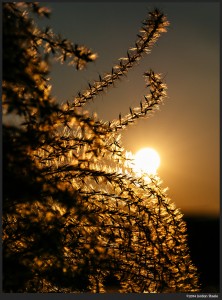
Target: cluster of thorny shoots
[[76, 217]]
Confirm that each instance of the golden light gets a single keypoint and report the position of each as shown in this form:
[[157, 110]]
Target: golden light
[[147, 160]]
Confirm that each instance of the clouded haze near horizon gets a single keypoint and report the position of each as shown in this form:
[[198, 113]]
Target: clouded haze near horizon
[[185, 131]]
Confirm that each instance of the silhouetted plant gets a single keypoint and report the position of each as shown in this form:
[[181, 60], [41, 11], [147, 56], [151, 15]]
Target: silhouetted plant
[[76, 217]]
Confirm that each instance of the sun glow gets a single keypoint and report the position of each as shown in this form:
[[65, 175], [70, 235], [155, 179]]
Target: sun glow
[[147, 160]]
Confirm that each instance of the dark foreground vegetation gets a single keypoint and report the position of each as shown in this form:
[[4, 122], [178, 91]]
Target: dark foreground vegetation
[[75, 215]]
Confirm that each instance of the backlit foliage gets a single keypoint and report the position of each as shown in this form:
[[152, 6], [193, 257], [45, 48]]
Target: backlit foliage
[[76, 217]]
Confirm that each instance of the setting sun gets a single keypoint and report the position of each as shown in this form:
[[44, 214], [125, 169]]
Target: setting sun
[[147, 160]]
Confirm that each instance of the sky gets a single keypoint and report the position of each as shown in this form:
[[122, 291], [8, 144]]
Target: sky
[[185, 131]]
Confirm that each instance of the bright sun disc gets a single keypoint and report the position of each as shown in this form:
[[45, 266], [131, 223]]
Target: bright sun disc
[[147, 160]]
